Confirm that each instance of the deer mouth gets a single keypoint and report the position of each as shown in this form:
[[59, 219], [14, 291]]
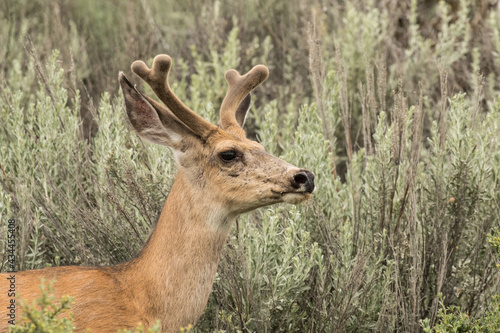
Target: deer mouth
[[294, 197]]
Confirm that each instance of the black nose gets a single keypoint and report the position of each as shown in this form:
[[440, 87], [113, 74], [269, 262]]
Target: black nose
[[304, 179]]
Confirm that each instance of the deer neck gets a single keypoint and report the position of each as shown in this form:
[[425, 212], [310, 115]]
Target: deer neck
[[177, 266]]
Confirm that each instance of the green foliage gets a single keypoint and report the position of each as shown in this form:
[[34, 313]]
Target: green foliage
[[402, 130], [46, 314], [453, 319], [277, 261], [494, 240]]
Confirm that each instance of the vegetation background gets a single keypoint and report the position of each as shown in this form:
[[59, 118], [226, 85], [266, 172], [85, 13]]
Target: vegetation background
[[395, 105]]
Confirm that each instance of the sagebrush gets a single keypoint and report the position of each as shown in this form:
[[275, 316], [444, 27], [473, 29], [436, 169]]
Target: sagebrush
[[394, 105]]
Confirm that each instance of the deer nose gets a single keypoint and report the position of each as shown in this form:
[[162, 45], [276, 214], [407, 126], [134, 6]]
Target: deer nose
[[304, 179]]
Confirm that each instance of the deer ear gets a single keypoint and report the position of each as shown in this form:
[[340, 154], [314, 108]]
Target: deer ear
[[242, 111], [149, 119]]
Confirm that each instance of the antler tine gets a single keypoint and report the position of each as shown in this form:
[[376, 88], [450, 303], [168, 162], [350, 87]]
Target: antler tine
[[157, 79], [239, 88]]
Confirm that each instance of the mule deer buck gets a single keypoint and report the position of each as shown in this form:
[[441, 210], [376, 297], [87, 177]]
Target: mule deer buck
[[221, 174]]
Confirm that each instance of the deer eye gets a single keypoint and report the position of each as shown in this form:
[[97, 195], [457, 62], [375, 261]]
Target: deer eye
[[228, 155]]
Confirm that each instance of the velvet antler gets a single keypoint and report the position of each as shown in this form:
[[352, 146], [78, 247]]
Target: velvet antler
[[238, 93], [157, 78]]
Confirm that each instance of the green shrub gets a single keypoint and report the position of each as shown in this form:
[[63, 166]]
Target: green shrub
[[454, 319], [44, 314], [400, 125]]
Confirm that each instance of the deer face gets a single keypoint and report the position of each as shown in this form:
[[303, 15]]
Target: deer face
[[245, 177], [233, 172]]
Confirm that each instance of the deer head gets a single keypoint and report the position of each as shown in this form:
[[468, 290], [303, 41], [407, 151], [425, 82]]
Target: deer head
[[220, 163]]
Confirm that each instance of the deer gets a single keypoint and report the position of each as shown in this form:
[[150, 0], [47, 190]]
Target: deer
[[220, 175]]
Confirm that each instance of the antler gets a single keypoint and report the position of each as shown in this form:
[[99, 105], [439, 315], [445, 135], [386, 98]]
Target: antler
[[157, 78], [239, 88]]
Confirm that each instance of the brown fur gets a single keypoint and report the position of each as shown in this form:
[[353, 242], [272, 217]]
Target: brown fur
[[172, 276]]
